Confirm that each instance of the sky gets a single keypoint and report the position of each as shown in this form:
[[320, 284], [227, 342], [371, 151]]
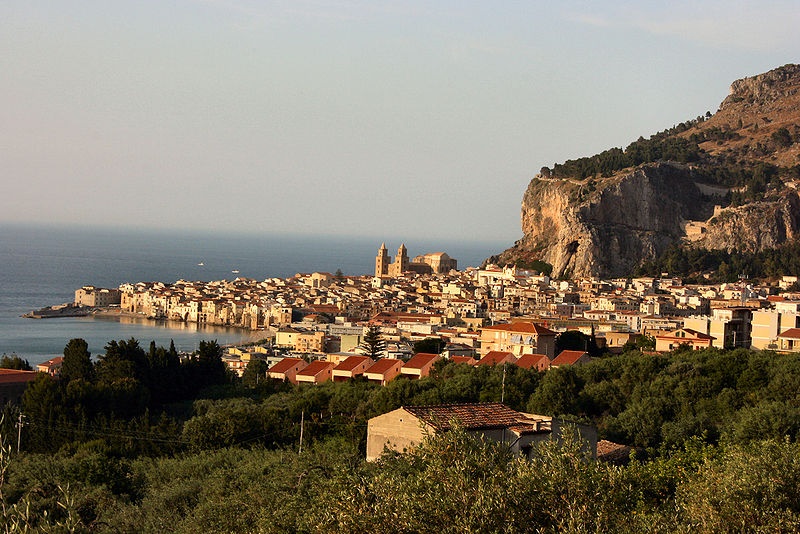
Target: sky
[[346, 117]]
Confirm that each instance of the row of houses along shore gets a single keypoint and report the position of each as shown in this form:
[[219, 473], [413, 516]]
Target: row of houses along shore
[[508, 314]]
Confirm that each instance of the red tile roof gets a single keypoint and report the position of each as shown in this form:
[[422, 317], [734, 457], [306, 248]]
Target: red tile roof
[[351, 362], [469, 360], [420, 360], [383, 365], [494, 357], [315, 368], [792, 333], [14, 376], [526, 361], [568, 357], [488, 415], [284, 365]]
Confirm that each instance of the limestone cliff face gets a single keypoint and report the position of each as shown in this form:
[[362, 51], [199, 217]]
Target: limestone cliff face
[[754, 227], [610, 230]]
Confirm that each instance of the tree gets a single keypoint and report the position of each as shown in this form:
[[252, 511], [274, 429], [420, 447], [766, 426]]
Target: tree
[[782, 137], [572, 340], [77, 361], [14, 362], [255, 372], [373, 344], [430, 345], [209, 359]]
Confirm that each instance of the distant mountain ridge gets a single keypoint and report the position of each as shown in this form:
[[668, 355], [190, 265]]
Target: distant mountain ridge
[[727, 181]]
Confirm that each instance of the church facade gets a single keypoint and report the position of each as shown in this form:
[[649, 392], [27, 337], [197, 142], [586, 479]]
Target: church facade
[[435, 262]]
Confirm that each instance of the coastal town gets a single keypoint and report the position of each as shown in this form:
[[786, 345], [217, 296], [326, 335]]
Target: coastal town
[[314, 324]]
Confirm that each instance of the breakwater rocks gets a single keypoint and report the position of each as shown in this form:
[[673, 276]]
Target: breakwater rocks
[[61, 310]]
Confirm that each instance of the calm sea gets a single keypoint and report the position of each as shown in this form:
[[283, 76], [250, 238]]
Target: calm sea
[[43, 266]]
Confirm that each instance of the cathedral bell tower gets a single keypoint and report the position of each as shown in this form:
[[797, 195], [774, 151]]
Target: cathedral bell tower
[[382, 262]]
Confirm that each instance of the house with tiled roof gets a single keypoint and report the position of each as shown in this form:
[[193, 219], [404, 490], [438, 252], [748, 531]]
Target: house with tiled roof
[[469, 360], [497, 357], [789, 340], [13, 383], [571, 357], [315, 372], [403, 428], [683, 337], [287, 369], [51, 366], [540, 362], [384, 370], [351, 367], [518, 338], [419, 366]]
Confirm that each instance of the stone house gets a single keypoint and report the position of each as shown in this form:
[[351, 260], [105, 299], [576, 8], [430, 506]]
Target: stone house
[[403, 428]]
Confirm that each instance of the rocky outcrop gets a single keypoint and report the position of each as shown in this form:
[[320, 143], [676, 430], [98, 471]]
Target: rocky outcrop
[[608, 226], [754, 227], [607, 229]]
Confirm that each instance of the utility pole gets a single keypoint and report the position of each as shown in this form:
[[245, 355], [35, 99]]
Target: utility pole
[[503, 389], [19, 431], [302, 420]]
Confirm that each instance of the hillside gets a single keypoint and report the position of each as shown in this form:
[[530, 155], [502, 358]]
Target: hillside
[[727, 181]]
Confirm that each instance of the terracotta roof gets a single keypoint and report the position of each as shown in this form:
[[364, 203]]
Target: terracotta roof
[[420, 360], [568, 357], [469, 360], [523, 327], [526, 361], [383, 365], [314, 368], [792, 333], [14, 376], [351, 362], [58, 360], [494, 357], [284, 365], [486, 415]]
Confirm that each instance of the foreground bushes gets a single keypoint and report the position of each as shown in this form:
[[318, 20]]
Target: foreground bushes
[[453, 483]]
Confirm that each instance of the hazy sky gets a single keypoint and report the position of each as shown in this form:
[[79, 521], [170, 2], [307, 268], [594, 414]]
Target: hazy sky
[[417, 119]]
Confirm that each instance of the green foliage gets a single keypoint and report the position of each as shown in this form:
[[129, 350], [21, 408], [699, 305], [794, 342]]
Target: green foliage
[[430, 345], [14, 362], [722, 266], [660, 147], [373, 344], [77, 363]]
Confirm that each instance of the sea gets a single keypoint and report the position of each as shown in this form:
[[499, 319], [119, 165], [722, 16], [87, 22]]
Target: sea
[[42, 265]]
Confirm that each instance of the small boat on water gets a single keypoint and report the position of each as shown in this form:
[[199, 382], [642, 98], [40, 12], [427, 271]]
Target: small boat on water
[[235, 271], [200, 264]]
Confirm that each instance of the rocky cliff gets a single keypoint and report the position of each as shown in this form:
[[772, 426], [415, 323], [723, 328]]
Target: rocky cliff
[[607, 224]]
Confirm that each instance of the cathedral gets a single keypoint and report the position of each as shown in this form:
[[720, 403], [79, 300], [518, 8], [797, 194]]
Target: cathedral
[[436, 262]]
